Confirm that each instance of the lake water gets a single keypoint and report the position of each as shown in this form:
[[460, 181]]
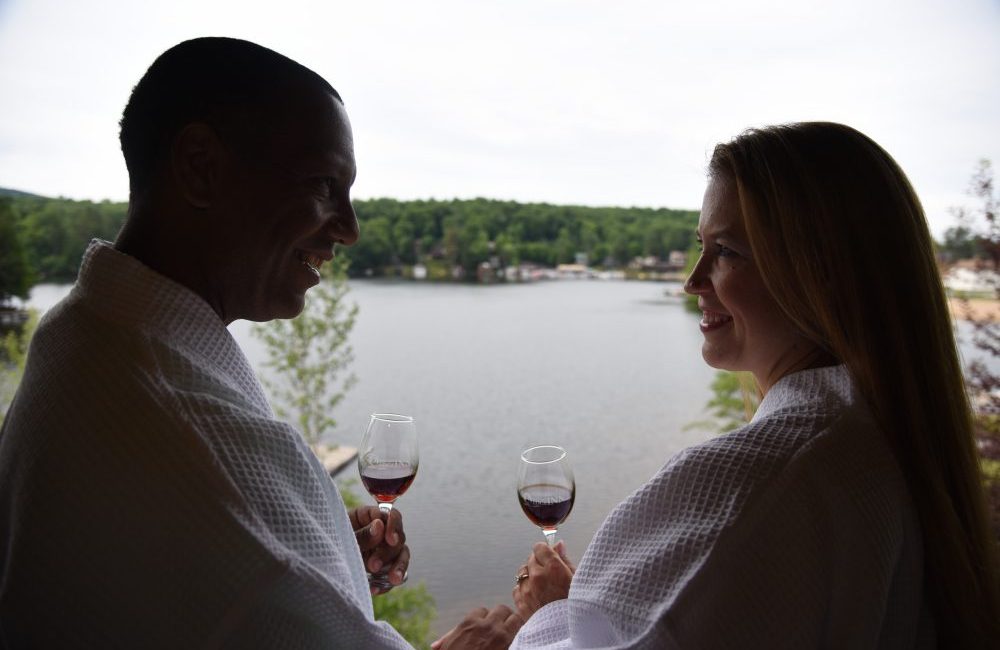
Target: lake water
[[612, 371]]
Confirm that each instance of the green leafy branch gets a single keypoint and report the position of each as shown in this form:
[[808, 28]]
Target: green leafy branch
[[307, 355]]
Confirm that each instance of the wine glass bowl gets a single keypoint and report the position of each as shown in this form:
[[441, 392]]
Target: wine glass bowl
[[388, 458], [546, 489], [387, 482]]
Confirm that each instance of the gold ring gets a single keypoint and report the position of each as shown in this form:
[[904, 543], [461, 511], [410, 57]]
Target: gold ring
[[519, 577]]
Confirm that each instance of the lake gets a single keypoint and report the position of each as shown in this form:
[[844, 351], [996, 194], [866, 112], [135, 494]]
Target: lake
[[610, 370]]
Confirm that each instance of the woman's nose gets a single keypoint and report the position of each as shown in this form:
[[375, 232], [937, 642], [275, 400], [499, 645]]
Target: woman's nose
[[696, 282]]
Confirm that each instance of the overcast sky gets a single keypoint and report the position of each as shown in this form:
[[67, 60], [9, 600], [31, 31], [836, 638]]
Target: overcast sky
[[580, 102]]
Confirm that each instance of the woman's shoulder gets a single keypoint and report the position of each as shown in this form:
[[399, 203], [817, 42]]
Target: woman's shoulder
[[813, 438], [799, 412], [755, 451]]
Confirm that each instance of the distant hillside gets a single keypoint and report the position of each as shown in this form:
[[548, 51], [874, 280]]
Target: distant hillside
[[18, 194], [451, 233]]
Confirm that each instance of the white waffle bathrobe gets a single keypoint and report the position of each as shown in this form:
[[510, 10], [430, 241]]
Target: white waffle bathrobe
[[150, 499], [795, 531]]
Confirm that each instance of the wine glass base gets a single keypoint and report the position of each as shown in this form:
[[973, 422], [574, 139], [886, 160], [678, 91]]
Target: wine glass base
[[380, 581]]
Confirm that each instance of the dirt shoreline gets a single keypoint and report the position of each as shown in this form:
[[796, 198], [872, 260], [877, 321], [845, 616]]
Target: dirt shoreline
[[975, 309]]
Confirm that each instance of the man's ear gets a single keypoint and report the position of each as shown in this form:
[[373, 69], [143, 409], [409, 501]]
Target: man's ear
[[195, 159]]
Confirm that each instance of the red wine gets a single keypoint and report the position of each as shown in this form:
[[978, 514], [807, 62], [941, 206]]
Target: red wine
[[546, 505], [386, 481]]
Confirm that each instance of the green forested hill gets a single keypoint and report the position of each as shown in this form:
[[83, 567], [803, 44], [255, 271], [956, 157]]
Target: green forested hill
[[53, 233], [6, 192], [467, 232]]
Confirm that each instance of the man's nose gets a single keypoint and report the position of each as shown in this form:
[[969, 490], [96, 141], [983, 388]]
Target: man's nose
[[345, 226]]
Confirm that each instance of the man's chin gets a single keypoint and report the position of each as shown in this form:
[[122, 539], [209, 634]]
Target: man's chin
[[289, 311], [285, 309]]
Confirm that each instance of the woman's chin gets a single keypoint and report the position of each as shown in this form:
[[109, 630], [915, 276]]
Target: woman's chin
[[715, 360]]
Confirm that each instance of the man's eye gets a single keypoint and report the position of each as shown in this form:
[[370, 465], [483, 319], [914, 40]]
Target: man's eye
[[323, 186]]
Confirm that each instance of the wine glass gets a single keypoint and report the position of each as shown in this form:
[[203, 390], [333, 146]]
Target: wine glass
[[545, 487], [387, 462]]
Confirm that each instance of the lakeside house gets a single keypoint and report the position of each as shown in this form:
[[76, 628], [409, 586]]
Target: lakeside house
[[971, 276]]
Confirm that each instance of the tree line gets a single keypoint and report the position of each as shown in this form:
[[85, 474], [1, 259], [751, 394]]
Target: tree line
[[468, 232], [43, 239]]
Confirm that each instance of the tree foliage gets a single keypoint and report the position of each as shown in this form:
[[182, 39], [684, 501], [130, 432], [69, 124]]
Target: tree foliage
[[55, 232], [13, 355], [309, 355], [982, 221], [982, 382], [410, 610], [468, 232], [734, 400], [15, 271], [977, 229], [465, 233]]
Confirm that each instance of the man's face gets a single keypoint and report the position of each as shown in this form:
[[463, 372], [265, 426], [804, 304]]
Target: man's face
[[284, 204]]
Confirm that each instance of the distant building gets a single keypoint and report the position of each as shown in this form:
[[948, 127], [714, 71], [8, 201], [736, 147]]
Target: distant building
[[573, 271], [967, 277]]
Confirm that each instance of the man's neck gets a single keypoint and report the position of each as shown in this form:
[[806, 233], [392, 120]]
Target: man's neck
[[161, 243]]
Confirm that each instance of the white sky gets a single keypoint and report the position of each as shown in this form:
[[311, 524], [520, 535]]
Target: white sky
[[583, 102]]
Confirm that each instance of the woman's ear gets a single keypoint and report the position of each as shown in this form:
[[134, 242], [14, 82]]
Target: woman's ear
[[195, 157]]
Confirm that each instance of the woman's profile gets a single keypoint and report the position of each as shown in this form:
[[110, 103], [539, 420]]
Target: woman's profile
[[849, 512]]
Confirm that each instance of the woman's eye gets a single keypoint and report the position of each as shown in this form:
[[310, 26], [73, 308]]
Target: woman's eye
[[725, 251]]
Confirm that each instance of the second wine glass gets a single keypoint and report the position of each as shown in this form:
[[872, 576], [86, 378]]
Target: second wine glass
[[546, 489]]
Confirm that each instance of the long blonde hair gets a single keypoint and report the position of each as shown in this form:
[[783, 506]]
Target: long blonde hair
[[843, 246]]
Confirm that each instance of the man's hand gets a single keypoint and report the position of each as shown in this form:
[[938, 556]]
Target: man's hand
[[382, 543], [482, 629], [549, 574]]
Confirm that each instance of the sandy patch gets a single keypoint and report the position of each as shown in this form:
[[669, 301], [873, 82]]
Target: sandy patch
[[975, 309]]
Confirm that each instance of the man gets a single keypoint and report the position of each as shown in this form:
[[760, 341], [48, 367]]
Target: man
[[148, 496]]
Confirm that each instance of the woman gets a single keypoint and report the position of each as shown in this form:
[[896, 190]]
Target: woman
[[849, 512]]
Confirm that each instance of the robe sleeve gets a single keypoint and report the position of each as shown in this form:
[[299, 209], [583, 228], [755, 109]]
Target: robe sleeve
[[813, 556]]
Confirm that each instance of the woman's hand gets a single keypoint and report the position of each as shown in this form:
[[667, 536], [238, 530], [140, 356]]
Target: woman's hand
[[382, 542], [549, 573]]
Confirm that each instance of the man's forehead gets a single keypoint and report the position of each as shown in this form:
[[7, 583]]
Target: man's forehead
[[316, 127]]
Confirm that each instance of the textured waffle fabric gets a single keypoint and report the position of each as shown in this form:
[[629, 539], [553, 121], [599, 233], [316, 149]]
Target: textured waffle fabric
[[150, 499], [794, 531]]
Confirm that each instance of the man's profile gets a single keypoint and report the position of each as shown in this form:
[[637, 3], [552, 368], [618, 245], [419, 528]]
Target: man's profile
[[148, 495]]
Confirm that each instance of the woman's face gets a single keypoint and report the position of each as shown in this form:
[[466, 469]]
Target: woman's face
[[744, 328]]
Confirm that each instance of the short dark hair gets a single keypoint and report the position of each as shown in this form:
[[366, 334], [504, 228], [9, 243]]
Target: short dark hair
[[215, 80]]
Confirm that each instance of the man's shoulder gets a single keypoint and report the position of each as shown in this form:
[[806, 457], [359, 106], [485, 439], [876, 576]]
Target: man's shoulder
[[75, 326]]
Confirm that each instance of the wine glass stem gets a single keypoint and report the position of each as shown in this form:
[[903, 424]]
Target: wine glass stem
[[386, 508], [550, 535]]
